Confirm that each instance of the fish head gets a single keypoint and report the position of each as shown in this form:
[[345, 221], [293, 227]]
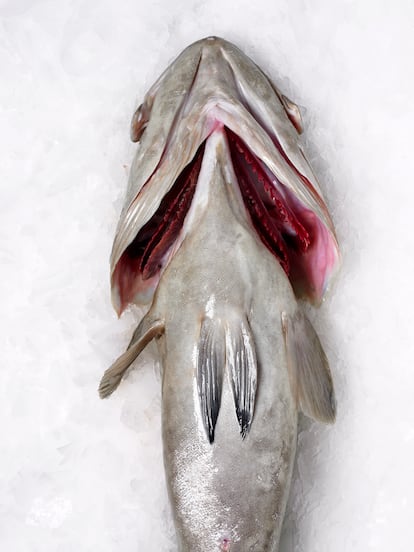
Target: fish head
[[212, 87]]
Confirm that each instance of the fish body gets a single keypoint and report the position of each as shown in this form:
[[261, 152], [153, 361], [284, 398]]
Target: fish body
[[232, 490], [213, 237]]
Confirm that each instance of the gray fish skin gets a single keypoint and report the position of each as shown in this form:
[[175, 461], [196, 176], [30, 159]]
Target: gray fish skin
[[239, 358], [232, 489]]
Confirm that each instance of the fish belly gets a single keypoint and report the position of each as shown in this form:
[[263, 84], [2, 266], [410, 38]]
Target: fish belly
[[229, 495]]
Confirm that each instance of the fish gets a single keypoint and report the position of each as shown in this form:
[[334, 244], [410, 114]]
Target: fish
[[223, 236]]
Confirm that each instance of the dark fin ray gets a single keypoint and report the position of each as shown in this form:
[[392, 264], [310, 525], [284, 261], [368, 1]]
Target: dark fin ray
[[242, 363], [147, 329], [210, 368], [309, 371]]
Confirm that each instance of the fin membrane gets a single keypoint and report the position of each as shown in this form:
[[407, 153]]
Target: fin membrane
[[242, 364], [147, 329], [309, 371]]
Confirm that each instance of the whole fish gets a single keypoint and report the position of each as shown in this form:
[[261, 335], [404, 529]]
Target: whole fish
[[223, 228]]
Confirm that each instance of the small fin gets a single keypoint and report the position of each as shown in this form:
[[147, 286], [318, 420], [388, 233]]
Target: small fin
[[293, 112], [140, 120], [310, 376], [242, 363], [147, 329], [210, 367]]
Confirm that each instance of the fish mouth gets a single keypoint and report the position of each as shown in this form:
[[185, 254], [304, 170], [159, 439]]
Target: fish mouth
[[280, 194]]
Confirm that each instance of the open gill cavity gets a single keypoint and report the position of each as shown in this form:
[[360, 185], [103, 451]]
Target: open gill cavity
[[292, 232], [143, 260]]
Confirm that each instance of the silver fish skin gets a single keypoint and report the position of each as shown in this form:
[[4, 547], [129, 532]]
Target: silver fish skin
[[239, 357]]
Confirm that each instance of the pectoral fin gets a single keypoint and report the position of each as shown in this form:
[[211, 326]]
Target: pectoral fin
[[147, 329], [309, 371]]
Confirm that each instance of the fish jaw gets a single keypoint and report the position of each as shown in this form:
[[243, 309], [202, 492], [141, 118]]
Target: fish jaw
[[211, 86]]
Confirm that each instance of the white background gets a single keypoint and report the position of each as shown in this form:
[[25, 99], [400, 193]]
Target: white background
[[80, 474]]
